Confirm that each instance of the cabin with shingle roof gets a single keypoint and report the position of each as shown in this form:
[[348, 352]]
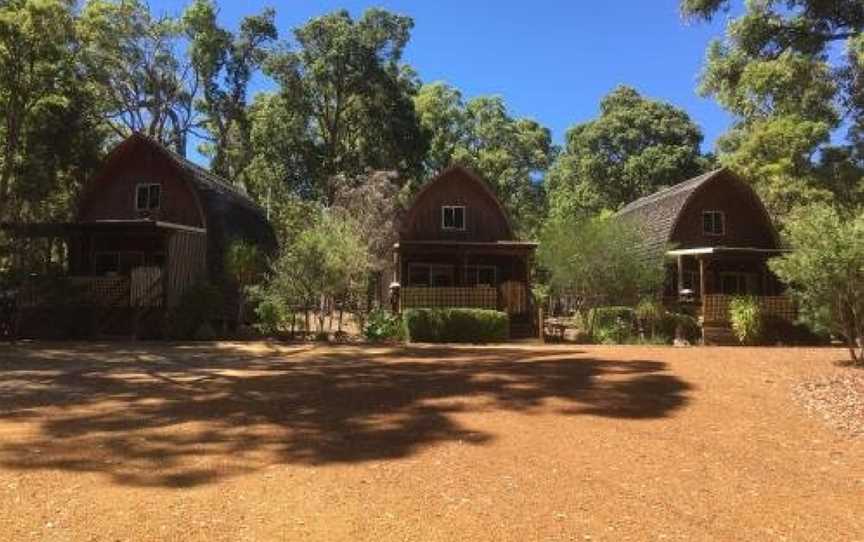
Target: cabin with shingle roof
[[716, 238], [148, 226]]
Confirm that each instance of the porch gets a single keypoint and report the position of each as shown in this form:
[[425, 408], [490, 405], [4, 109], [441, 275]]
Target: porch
[[494, 276], [98, 278], [704, 281]]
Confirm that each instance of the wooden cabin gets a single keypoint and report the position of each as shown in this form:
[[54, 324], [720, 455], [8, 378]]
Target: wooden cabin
[[457, 249], [149, 225], [716, 238]]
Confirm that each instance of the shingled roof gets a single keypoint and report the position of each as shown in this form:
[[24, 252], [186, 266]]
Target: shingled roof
[[655, 215]]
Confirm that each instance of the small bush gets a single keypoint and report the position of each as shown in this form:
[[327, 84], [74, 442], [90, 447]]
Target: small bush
[[382, 326], [456, 325], [776, 330], [272, 316], [685, 324], [197, 306], [614, 325], [746, 318]]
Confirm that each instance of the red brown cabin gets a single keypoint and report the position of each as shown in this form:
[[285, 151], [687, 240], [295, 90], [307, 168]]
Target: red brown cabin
[[457, 249], [716, 237], [148, 226]]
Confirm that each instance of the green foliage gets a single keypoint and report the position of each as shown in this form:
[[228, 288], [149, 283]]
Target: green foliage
[[456, 325], [746, 318], [198, 305], [678, 325], [383, 325], [613, 325], [327, 260], [225, 63], [778, 73], [344, 104], [482, 134], [633, 148], [597, 260], [825, 270], [272, 314], [135, 63], [49, 132]]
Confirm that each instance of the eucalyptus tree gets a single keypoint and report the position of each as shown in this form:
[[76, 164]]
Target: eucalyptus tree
[[792, 74], [636, 146], [136, 63], [511, 153], [225, 63], [49, 137], [344, 104]]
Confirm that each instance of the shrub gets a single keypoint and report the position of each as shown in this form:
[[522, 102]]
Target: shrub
[[383, 325], [776, 330], [197, 306], [272, 316], [456, 325], [745, 315], [613, 325], [685, 324]]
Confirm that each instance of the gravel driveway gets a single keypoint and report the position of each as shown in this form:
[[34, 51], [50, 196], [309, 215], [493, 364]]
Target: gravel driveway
[[261, 442]]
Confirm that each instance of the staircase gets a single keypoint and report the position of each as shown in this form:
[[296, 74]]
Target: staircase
[[522, 329], [719, 335]]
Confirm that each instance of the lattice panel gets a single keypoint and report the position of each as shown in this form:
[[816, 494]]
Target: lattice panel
[[99, 291], [715, 307], [476, 298]]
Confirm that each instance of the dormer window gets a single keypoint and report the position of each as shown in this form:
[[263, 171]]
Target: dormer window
[[713, 223], [453, 217], [147, 196]]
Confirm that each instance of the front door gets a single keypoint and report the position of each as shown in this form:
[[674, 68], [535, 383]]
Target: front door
[[514, 297]]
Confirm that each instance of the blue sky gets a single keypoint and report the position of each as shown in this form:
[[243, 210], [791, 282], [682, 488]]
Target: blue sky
[[551, 60]]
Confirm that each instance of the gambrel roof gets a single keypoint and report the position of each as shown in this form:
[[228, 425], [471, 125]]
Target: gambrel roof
[[656, 215]]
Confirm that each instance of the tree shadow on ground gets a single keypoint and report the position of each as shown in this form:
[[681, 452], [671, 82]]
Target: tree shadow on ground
[[181, 415]]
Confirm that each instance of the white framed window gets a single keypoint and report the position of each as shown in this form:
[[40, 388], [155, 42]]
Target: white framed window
[[148, 196], [453, 217], [713, 223], [481, 275]]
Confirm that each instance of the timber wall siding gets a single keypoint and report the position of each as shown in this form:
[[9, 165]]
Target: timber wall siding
[[746, 223], [112, 197], [187, 256], [484, 219]]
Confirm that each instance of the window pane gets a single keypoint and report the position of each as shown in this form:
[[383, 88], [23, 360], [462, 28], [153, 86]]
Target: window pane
[[155, 191], [459, 218], [141, 198], [442, 275], [486, 276], [418, 275]]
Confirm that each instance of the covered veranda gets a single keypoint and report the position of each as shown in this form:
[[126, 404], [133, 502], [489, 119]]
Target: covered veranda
[[708, 278]]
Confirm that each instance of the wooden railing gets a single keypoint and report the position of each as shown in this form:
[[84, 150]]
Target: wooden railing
[[481, 297], [715, 307], [99, 291]]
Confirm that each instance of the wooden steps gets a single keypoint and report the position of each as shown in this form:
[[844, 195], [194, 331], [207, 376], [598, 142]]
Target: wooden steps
[[719, 335], [522, 330]]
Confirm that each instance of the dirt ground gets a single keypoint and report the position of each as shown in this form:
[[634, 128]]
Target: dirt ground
[[261, 442]]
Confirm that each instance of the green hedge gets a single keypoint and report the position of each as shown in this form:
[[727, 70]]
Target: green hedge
[[455, 325]]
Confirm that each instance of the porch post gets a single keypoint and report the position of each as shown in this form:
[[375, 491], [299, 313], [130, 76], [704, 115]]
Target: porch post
[[680, 275], [702, 291]]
